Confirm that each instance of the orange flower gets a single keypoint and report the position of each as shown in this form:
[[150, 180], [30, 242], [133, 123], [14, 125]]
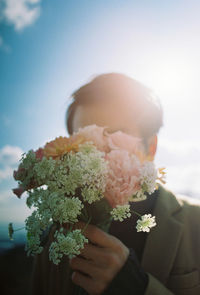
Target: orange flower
[[142, 157], [161, 176], [62, 145]]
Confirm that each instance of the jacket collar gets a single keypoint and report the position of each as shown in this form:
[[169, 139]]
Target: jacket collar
[[163, 240]]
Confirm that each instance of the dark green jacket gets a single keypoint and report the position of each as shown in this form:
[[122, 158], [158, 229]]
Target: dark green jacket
[[171, 254], [172, 251]]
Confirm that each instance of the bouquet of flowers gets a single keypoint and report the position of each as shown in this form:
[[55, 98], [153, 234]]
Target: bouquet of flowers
[[91, 176]]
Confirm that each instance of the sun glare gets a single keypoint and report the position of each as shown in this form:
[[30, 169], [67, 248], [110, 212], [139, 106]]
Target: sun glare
[[171, 78]]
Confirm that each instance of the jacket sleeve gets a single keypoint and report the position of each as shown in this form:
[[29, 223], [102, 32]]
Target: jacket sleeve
[[132, 279]]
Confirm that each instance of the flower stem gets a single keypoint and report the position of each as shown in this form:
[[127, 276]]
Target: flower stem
[[71, 226], [132, 211], [19, 228], [86, 224]]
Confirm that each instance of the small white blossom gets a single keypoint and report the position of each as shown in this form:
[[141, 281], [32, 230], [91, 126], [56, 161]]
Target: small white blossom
[[146, 222], [139, 196], [121, 212]]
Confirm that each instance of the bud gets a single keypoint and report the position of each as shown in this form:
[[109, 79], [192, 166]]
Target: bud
[[10, 231]]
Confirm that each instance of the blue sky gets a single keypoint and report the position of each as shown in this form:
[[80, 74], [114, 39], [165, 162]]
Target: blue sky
[[50, 48]]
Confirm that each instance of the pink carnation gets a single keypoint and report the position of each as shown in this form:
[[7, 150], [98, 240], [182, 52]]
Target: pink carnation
[[124, 141], [123, 177], [106, 142], [95, 134]]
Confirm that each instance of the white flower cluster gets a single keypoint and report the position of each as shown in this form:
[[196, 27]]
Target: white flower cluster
[[34, 226], [148, 176], [93, 169], [28, 160], [146, 222], [56, 201], [121, 212], [69, 245], [64, 209], [44, 169], [85, 169]]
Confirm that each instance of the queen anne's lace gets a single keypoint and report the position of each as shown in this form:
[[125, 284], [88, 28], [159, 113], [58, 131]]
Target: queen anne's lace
[[148, 176], [146, 222], [121, 212], [34, 226], [69, 245], [56, 201], [65, 209]]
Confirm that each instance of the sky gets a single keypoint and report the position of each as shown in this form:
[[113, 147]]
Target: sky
[[50, 48]]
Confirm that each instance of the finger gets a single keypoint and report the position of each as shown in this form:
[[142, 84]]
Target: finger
[[88, 284], [93, 253], [82, 280], [85, 266]]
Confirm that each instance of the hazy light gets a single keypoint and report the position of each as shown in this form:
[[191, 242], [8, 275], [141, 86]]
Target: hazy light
[[172, 77]]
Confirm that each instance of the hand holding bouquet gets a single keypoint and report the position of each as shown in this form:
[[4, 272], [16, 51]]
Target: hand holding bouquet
[[91, 176]]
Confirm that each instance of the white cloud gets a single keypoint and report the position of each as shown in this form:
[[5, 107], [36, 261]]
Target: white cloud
[[5, 195], [9, 160], [182, 163], [179, 153], [5, 173], [185, 180], [10, 155], [21, 13]]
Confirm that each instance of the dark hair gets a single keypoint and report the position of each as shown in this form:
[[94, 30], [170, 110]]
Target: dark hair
[[112, 86]]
